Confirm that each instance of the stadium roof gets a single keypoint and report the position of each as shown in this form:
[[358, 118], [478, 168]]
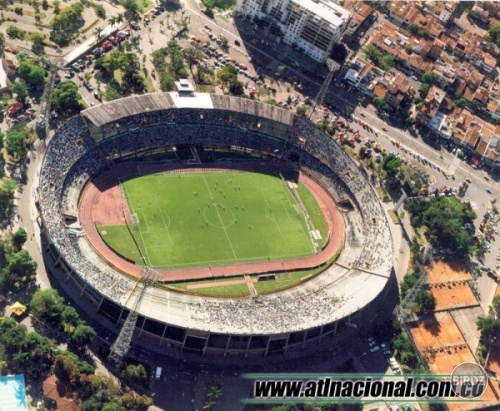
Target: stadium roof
[[13, 393], [194, 100], [128, 106]]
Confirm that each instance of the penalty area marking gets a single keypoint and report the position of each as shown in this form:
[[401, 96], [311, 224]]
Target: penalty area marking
[[165, 224]]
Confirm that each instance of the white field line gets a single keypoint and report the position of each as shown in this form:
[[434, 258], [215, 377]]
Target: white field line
[[220, 218]]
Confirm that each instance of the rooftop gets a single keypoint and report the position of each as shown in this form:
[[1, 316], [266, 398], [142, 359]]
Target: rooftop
[[327, 10]]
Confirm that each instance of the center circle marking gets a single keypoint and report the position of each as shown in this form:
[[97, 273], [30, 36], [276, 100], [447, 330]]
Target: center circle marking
[[219, 215]]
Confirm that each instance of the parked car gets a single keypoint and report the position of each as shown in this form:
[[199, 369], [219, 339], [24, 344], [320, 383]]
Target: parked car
[[374, 349]]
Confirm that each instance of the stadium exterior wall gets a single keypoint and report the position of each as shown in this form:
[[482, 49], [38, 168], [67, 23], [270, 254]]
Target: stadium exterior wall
[[210, 344]]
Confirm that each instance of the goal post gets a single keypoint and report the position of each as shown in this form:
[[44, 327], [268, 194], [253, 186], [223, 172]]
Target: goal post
[[135, 220]]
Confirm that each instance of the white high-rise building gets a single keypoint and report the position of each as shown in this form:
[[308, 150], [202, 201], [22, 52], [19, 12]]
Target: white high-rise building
[[312, 25]]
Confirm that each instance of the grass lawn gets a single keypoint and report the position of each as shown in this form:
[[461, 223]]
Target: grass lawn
[[283, 280], [383, 195], [314, 213], [209, 218], [228, 290], [394, 217], [144, 5]]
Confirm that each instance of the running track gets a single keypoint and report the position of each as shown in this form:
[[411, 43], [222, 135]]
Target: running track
[[102, 202]]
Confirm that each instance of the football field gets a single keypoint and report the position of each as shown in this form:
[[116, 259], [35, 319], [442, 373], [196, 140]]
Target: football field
[[195, 219]]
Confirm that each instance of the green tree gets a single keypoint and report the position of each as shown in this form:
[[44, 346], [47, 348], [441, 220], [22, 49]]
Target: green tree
[[135, 374], [36, 356], [65, 98], [12, 337], [15, 142], [372, 53], [489, 328], [301, 110], [405, 351], [236, 88], [37, 38], [15, 33], [131, 401], [379, 102], [410, 120], [425, 300], [48, 305], [97, 33], [19, 88], [391, 164], [386, 62], [429, 78], [68, 16], [494, 33], [227, 75], [111, 93], [119, 18], [112, 406], [19, 238], [424, 89], [102, 383], [36, 76], [131, 9], [6, 205], [192, 56], [69, 318], [83, 335], [409, 280], [495, 306], [100, 11], [65, 369], [21, 267], [444, 218], [2, 40]]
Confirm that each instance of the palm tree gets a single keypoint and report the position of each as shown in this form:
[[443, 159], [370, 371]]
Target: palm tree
[[119, 18], [98, 33], [192, 56], [112, 20]]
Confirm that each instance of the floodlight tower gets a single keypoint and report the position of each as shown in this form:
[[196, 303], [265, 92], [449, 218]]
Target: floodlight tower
[[121, 346], [43, 115], [320, 97]]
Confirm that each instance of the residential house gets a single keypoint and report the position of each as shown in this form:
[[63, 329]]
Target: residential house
[[480, 14], [6, 67], [402, 12], [398, 91], [361, 17], [432, 103], [360, 75], [487, 63]]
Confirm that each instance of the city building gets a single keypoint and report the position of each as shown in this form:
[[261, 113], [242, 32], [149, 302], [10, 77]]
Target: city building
[[5, 69], [360, 75], [313, 27]]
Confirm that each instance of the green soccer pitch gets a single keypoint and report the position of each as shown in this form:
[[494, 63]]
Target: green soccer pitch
[[200, 219]]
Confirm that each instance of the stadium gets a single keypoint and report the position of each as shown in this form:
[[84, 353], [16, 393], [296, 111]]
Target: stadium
[[200, 155]]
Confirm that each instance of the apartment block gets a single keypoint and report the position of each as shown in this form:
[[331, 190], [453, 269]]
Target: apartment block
[[313, 26]]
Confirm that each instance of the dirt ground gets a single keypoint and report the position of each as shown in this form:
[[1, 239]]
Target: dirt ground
[[453, 296], [444, 271]]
